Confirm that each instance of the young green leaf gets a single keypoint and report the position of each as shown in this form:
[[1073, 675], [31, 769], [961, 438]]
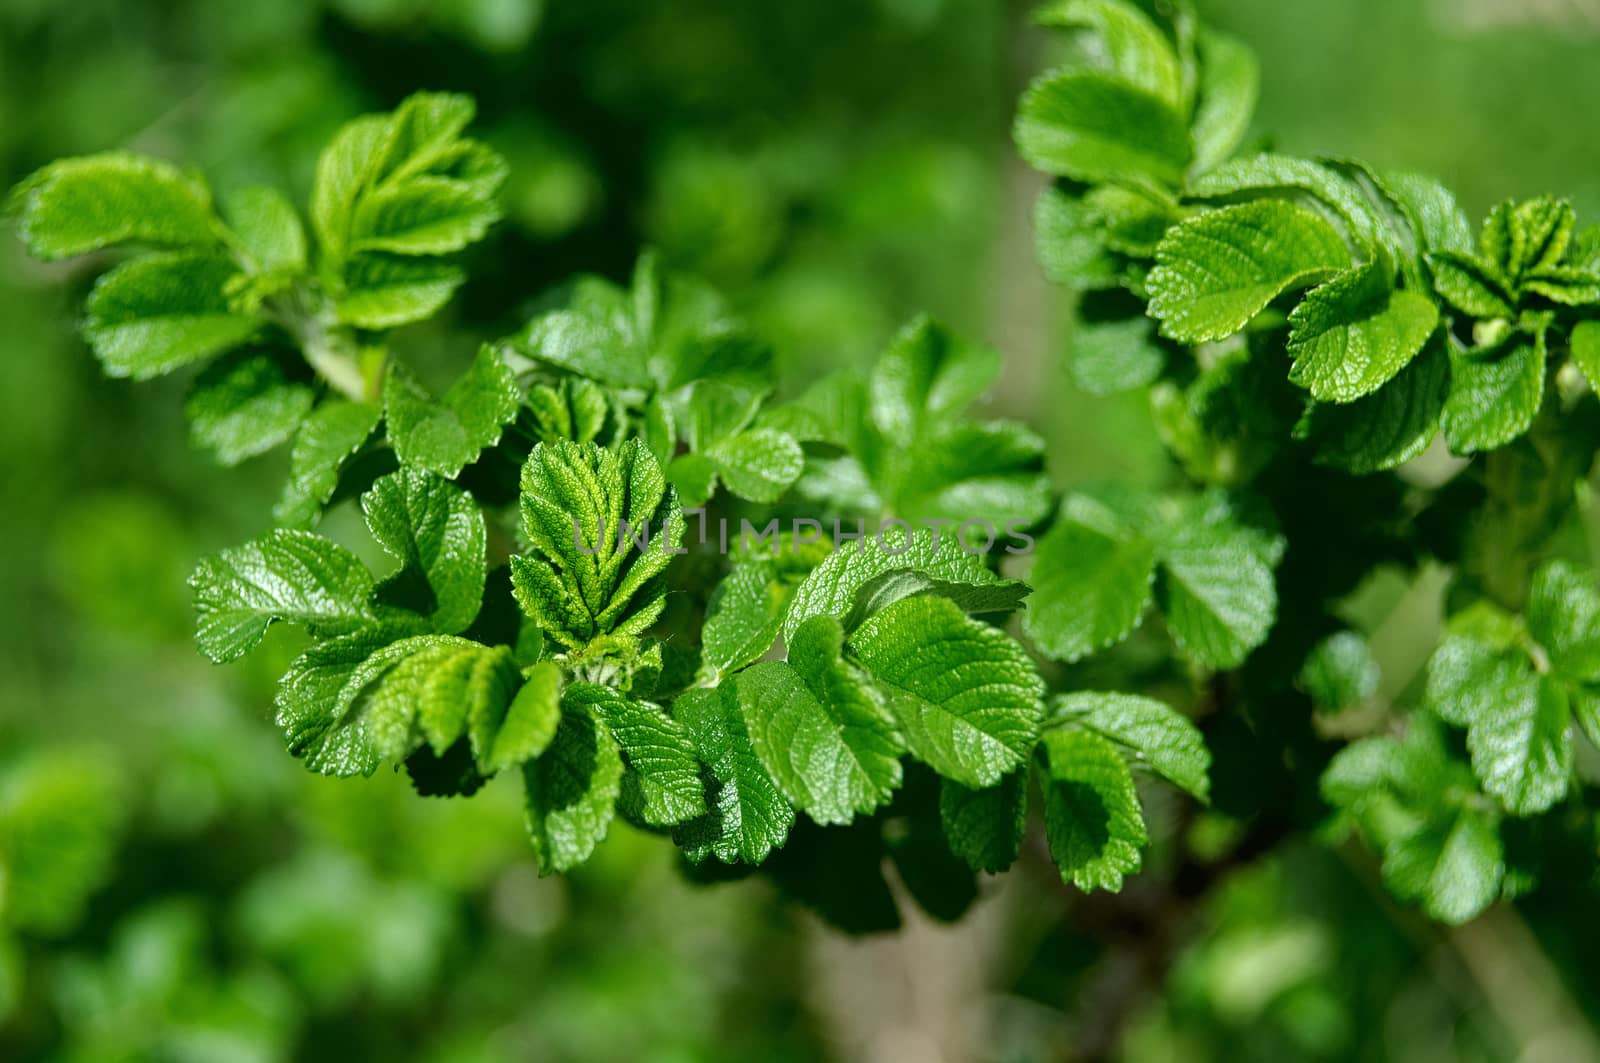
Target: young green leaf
[[1351, 336], [1454, 865], [245, 404], [758, 464], [1494, 396], [1585, 344], [1135, 50], [965, 695], [747, 817], [444, 435], [314, 713], [75, 206], [1564, 616], [1091, 127], [985, 827], [1340, 672], [1230, 79], [505, 734], [1216, 588], [268, 228], [1092, 818], [1388, 427], [1151, 730], [1072, 243], [436, 531], [1092, 577], [1218, 270], [662, 786], [422, 216], [586, 574], [925, 376], [153, 314], [1331, 191], [292, 576], [571, 791], [327, 440]]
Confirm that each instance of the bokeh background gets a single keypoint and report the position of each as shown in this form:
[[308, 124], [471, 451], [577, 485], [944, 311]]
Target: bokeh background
[[174, 887]]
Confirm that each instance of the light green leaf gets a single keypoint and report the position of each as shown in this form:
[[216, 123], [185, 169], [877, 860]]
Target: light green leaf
[[1092, 818], [1115, 356], [1071, 242], [926, 376], [1564, 616], [422, 216], [316, 700], [985, 827], [1494, 396], [1454, 866], [595, 336], [286, 575], [745, 612], [836, 585], [574, 409], [153, 314], [507, 734], [1216, 588], [1517, 721], [1218, 270], [327, 440], [1134, 49], [662, 787], [434, 689], [966, 696], [1351, 336], [445, 435], [1321, 186], [436, 531], [245, 404], [1092, 576], [1230, 79], [1534, 234], [1438, 222], [747, 816], [758, 464], [268, 228], [386, 291], [571, 792], [1565, 285], [1387, 428], [79, 205], [1585, 344], [1469, 286], [584, 576], [1156, 734], [1092, 128], [1340, 672], [990, 472]]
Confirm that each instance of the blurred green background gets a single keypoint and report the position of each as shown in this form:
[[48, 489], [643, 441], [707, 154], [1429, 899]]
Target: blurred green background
[[174, 887]]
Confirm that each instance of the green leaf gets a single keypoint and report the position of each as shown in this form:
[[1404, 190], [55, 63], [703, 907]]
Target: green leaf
[[1585, 344], [1134, 48], [1466, 284], [434, 689], [1115, 356], [844, 585], [1564, 616], [505, 734], [1494, 396], [245, 404], [386, 291], [1387, 428], [1155, 734], [444, 435], [1072, 243], [1564, 285], [927, 376], [1340, 672], [1439, 224], [436, 531], [422, 216], [1218, 270], [966, 695], [1230, 79], [292, 576], [988, 473], [1319, 186], [574, 409], [571, 791], [662, 787], [1092, 128], [1092, 576], [985, 827], [268, 229], [1215, 587], [747, 816], [595, 336], [1351, 336], [79, 205], [1534, 234], [758, 464], [153, 314], [327, 440], [745, 612], [1092, 818], [1454, 866], [1517, 721], [584, 576], [315, 700]]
